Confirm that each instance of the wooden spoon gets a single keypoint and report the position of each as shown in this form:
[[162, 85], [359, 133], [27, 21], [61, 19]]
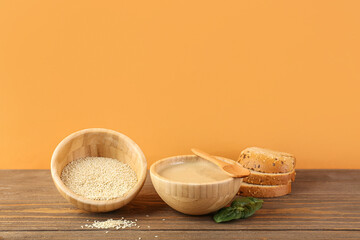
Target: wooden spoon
[[233, 170]]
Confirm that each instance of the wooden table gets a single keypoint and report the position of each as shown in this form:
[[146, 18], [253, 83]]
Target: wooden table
[[324, 204]]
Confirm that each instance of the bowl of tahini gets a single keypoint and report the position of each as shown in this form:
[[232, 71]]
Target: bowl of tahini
[[193, 185], [98, 170]]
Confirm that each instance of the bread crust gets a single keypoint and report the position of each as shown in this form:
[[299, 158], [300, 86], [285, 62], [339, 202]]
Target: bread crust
[[264, 191], [270, 178], [267, 161]]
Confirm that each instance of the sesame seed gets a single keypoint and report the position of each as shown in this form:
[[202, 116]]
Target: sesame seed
[[147, 215], [111, 223], [99, 178]]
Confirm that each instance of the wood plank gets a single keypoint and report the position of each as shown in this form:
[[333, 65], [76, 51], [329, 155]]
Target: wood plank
[[321, 200], [261, 235]]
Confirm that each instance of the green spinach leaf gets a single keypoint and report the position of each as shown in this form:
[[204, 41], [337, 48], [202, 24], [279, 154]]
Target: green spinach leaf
[[240, 208]]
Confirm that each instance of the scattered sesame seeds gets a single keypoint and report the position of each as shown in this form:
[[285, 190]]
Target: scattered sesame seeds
[[163, 219], [147, 215], [99, 178], [156, 236], [111, 223]]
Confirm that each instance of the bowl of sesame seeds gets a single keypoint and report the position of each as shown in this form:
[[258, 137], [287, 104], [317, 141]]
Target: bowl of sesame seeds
[[98, 170]]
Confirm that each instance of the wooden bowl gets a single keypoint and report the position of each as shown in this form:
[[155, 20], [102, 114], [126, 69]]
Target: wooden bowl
[[98, 142], [193, 198]]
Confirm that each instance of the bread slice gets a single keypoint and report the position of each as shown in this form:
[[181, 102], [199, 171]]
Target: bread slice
[[267, 161], [270, 178], [264, 191]]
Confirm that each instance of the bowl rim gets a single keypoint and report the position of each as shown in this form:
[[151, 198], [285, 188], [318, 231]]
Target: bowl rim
[[59, 183], [153, 173]]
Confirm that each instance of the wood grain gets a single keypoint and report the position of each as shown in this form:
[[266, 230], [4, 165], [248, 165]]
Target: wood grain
[[165, 235], [324, 204]]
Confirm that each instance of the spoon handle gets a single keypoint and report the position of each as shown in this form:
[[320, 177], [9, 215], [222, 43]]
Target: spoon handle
[[208, 157]]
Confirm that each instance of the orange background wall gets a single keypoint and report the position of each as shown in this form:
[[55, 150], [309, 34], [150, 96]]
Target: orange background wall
[[217, 75]]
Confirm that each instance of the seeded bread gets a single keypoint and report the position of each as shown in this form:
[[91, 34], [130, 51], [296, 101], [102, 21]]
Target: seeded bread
[[267, 161], [270, 178], [264, 191]]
